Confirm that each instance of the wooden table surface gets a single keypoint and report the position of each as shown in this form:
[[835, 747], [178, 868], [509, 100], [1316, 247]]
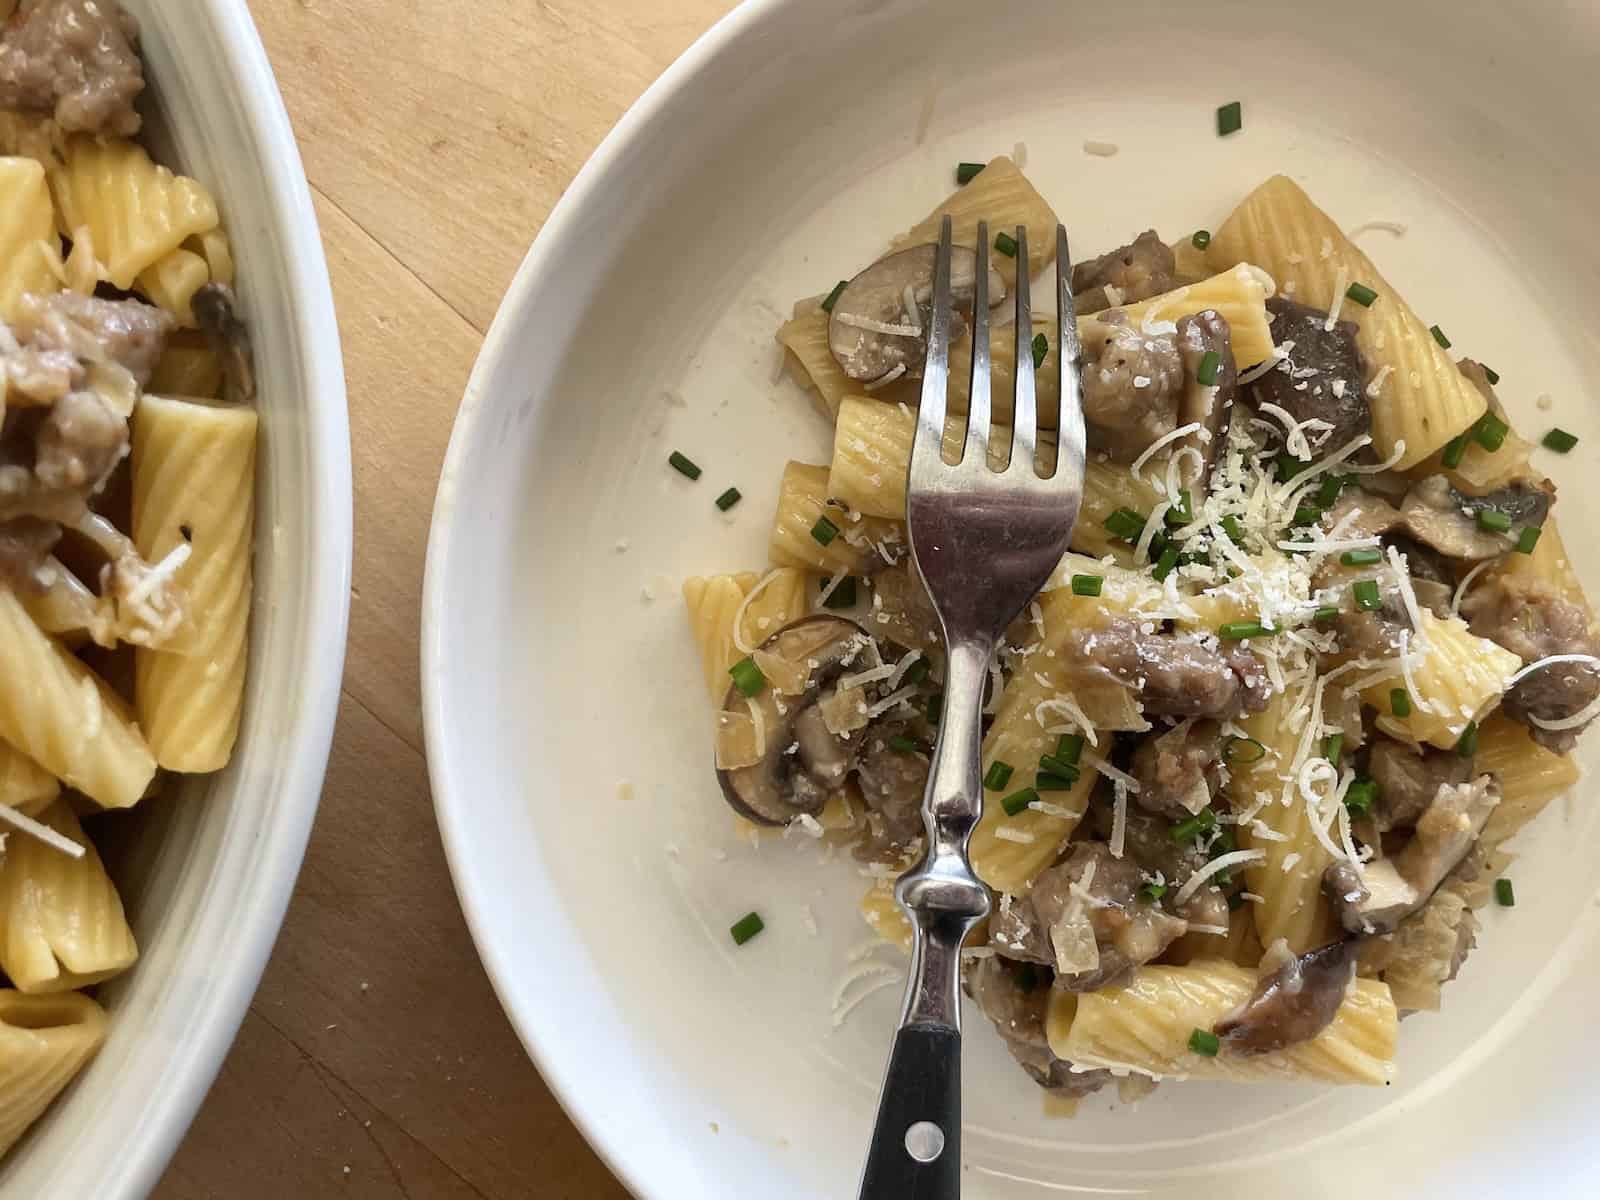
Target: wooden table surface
[[375, 1061]]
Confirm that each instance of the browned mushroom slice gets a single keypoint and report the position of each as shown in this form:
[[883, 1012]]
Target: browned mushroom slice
[[877, 330], [1409, 779], [1295, 998], [1389, 890], [215, 312], [1016, 999], [1439, 516], [1208, 405], [1360, 514], [1323, 378], [1143, 268]]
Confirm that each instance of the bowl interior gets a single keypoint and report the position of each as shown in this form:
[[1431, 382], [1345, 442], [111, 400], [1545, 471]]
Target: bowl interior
[[569, 736], [205, 870]]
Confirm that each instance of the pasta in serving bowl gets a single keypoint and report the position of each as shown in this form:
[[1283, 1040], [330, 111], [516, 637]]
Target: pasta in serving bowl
[[146, 380], [747, 980]]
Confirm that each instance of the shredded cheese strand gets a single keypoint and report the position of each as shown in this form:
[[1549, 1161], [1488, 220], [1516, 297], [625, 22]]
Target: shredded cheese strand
[[1215, 867]]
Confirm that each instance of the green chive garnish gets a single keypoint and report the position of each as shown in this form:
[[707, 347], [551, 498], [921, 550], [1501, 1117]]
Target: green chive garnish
[[729, 498], [1125, 524], [833, 296], [901, 744], [1366, 557], [1329, 489], [746, 927], [918, 671], [1006, 244], [824, 531], [1307, 514], [1360, 796], [1366, 593], [1202, 822], [1049, 764], [1204, 1043], [1165, 564], [998, 775], [1467, 744], [1438, 336], [1238, 631], [1333, 747], [967, 172], [1491, 375], [1017, 801], [1505, 896], [1559, 440], [1243, 750], [1181, 513], [1069, 748], [1490, 431], [1400, 702], [747, 677], [1289, 466], [1087, 585], [683, 466], [1528, 539], [1455, 449], [1210, 364], [1230, 118], [1153, 891], [843, 594], [1201, 239], [1234, 530], [1324, 614], [1493, 521], [1361, 294], [1047, 782], [1235, 900], [1041, 347]]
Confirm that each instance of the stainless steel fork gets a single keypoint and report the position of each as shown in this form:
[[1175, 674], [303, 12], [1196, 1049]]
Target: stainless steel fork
[[984, 542]]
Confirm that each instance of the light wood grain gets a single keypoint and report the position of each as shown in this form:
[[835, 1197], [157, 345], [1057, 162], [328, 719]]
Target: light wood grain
[[375, 1061]]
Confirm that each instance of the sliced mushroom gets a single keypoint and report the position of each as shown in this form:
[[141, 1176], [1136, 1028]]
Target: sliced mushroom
[[1208, 405], [877, 330], [1408, 780], [1439, 516], [1323, 378], [1295, 998], [798, 760], [1391, 889], [1143, 268], [1016, 999], [1360, 514], [216, 313]]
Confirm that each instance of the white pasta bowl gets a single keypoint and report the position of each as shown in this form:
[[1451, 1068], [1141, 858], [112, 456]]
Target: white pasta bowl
[[205, 875], [567, 732]]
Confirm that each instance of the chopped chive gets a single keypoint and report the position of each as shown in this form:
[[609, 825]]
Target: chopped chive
[[1361, 294], [1046, 782], [1289, 466], [1125, 524], [843, 594], [918, 671], [1235, 900], [1049, 764], [1069, 748], [1201, 239], [1153, 891], [1493, 521], [746, 927], [1455, 449], [1490, 431], [1504, 895], [1242, 750], [1307, 514], [1182, 513], [998, 775], [967, 172], [1329, 490], [1223, 844], [1206, 372], [1360, 796], [1087, 585], [935, 708], [1438, 336], [1333, 748], [1230, 118], [1019, 800], [833, 296], [1528, 539], [1006, 244], [1041, 347], [1366, 557], [1467, 744], [1559, 440], [683, 466], [1204, 1043], [1234, 530], [1238, 631], [1400, 702], [1491, 375], [747, 677], [729, 498], [1366, 593], [1202, 822], [1324, 614], [1165, 564], [901, 744], [824, 531]]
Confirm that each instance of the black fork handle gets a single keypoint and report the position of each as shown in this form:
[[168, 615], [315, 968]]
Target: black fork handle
[[922, 1087]]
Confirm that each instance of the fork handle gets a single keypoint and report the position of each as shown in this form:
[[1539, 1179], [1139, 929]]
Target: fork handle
[[922, 1088]]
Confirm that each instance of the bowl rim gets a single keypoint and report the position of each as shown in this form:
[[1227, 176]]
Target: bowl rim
[[221, 1008], [633, 129]]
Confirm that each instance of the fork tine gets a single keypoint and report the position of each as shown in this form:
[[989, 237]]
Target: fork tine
[[927, 444], [1070, 447], [1025, 408], [978, 403]]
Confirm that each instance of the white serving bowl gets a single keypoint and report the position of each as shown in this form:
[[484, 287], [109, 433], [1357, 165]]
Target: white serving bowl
[[777, 156], [206, 875]]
